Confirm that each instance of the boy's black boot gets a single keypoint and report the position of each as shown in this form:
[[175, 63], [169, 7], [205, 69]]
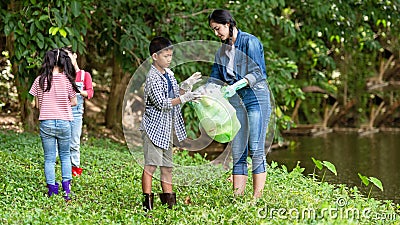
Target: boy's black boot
[[148, 201], [169, 199]]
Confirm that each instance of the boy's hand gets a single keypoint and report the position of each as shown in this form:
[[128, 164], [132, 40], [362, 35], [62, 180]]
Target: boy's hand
[[187, 84], [189, 96]]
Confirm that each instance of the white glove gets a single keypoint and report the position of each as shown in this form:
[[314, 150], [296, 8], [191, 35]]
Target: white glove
[[187, 84], [189, 96]]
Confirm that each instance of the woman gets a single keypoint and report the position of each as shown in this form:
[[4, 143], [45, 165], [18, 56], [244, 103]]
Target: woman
[[240, 63]]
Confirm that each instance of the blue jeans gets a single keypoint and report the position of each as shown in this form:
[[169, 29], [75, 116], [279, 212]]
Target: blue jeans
[[253, 109], [56, 134], [76, 132]]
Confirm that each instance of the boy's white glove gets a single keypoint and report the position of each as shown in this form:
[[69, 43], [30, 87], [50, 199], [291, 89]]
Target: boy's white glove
[[189, 96], [187, 84]]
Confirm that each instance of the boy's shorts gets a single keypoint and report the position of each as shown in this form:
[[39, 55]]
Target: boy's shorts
[[155, 156]]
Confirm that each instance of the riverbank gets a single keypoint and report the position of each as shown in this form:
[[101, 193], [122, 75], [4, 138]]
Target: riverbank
[[109, 191], [375, 155], [316, 130]]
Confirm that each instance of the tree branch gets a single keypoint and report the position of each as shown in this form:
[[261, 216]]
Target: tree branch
[[183, 16]]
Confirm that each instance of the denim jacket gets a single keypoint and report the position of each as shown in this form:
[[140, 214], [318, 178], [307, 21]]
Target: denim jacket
[[249, 61]]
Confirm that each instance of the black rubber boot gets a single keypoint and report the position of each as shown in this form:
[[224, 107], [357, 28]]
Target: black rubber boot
[[148, 201], [169, 199]]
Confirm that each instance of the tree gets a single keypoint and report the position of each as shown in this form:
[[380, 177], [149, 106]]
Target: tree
[[333, 45], [120, 30], [32, 28]]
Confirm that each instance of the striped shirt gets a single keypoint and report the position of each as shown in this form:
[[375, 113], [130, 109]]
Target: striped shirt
[[54, 104], [159, 115]]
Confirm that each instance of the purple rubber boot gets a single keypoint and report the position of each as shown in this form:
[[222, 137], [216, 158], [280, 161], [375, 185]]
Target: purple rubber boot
[[52, 189], [66, 185]]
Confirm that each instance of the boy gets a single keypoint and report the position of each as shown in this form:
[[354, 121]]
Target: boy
[[161, 118]]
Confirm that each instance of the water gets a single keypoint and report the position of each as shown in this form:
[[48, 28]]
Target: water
[[376, 155]]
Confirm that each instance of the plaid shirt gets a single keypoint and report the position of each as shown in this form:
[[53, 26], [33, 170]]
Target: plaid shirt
[[159, 114]]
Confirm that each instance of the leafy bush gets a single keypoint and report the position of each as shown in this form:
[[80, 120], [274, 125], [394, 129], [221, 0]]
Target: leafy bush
[[8, 93]]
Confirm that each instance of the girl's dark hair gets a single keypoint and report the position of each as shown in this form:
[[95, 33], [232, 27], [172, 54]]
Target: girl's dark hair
[[56, 57], [158, 44], [223, 16]]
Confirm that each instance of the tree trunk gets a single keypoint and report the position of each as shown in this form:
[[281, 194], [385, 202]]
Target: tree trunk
[[295, 114], [380, 120], [28, 114], [119, 83], [346, 109], [328, 114]]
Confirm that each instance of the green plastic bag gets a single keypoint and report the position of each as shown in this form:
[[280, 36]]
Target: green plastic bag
[[217, 116]]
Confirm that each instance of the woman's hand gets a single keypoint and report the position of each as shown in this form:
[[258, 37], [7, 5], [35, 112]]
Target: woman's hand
[[230, 90]]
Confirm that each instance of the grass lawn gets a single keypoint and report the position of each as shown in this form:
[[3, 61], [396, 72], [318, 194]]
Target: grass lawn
[[109, 192]]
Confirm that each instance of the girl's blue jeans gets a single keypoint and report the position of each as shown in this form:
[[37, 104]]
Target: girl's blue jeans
[[253, 109], [56, 134]]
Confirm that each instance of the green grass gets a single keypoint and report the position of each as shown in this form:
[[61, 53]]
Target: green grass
[[109, 192]]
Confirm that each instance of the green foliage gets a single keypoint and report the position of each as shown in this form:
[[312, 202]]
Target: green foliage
[[305, 42], [283, 87], [192, 124], [365, 180], [36, 28], [185, 159], [320, 165], [274, 164], [298, 169], [376, 182], [7, 90], [121, 29], [317, 163], [338, 36], [109, 191], [31, 29], [330, 167]]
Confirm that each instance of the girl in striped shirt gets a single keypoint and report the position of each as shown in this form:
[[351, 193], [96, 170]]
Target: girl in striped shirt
[[55, 92]]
